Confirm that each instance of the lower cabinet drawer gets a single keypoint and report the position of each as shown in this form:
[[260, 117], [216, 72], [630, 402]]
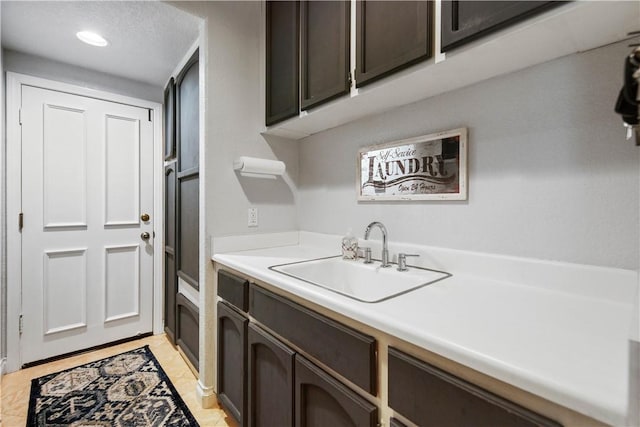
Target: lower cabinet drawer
[[234, 290], [349, 352], [321, 401], [429, 396]]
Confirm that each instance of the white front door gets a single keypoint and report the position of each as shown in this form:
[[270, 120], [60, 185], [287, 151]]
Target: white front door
[[87, 183]]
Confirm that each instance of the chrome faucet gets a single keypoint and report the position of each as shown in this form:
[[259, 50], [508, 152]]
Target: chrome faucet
[[385, 251]]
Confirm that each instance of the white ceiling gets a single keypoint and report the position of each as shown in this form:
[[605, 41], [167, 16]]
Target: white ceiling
[[147, 39]]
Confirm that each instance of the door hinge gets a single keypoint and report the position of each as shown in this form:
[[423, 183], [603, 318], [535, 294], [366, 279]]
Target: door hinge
[[20, 116], [20, 324], [150, 115], [351, 79], [20, 221]]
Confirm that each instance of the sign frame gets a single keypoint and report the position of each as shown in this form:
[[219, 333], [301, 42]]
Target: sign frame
[[419, 175]]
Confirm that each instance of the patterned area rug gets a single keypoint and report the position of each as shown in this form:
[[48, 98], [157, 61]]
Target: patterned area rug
[[129, 389]]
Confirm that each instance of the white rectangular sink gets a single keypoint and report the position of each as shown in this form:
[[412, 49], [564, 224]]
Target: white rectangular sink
[[355, 279]]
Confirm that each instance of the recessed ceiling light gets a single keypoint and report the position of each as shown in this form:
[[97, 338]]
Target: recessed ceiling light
[[92, 38]]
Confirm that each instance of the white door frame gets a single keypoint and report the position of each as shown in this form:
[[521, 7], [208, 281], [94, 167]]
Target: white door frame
[[14, 199]]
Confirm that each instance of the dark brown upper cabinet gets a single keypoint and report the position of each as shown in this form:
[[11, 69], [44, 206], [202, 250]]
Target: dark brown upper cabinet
[[188, 114], [187, 171], [391, 35], [282, 61], [170, 120], [170, 277], [465, 21], [325, 34]]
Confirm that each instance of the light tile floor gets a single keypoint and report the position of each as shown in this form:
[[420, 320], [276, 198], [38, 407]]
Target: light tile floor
[[15, 387]]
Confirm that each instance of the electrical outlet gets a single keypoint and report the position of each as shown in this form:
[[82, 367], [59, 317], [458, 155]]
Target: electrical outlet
[[252, 217]]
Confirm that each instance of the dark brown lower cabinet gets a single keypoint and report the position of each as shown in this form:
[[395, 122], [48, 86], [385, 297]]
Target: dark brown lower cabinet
[[170, 294], [270, 380], [429, 396], [347, 351], [322, 401], [187, 331], [232, 361], [234, 290]]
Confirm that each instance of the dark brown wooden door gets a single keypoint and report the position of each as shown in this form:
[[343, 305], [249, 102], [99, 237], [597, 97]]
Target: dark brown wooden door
[[465, 21], [429, 396], [187, 191], [232, 361], [282, 61], [322, 401], [325, 34], [270, 380], [391, 35], [170, 277]]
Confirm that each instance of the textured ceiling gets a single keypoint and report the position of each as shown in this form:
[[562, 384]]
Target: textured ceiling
[[147, 39]]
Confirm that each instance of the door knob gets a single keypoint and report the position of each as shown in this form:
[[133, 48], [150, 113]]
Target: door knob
[[144, 217], [145, 236]]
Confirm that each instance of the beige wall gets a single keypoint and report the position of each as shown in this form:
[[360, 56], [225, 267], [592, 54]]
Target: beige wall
[[550, 173], [3, 214], [24, 63], [233, 117]]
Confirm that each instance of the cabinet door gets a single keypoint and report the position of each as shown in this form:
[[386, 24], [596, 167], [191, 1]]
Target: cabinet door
[[170, 120], [323, 401], [391, 35], [465, 21], [187, 191], [187, 330], [325, 27], [282, 61], [170, 278], [232, 361], [429, 396], [270, 380]]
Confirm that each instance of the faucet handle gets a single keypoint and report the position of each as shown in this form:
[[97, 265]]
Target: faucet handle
[[402, 261]]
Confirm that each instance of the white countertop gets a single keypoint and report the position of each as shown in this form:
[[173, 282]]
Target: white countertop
[[566, 343]]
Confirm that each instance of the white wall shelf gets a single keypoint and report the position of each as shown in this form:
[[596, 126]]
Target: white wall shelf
[[575, 27]]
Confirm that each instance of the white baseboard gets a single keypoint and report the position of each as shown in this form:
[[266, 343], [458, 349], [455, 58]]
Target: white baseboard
[[206, 396]]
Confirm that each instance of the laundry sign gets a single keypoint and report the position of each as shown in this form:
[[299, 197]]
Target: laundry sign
[[428, 167]]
